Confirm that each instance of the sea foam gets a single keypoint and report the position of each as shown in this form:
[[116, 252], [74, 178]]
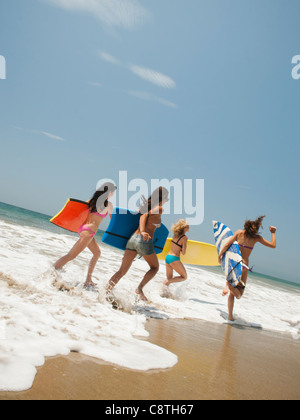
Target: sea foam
[[38, 320]]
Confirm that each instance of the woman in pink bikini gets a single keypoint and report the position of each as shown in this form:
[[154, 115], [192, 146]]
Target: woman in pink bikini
[[247, 239], [99, 209]]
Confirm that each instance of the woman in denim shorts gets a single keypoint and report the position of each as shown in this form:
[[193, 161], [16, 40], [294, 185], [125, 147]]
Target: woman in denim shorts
[[141, 242]]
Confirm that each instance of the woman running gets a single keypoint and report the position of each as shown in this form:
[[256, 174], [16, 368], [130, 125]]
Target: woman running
[[99, 209], [178, 247], [247, 239], [141, 242]]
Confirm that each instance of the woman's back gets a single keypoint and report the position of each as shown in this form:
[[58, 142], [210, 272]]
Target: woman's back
[[177, 245], [246, 243]]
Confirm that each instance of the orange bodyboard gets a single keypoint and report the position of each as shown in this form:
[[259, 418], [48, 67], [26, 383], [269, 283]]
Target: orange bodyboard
[[72, 216]]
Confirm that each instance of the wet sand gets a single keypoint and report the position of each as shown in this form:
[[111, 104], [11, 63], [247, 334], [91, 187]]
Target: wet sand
[[215, 362]]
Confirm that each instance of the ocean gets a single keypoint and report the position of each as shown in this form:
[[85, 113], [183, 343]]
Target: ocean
[[37, 320]]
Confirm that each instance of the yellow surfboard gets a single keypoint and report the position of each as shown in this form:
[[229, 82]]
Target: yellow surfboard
[[197, 253]]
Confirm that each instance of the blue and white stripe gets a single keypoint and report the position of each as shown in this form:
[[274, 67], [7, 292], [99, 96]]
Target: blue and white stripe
[[232, 260]]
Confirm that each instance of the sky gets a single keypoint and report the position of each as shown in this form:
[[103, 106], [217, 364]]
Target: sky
[[168, 89]]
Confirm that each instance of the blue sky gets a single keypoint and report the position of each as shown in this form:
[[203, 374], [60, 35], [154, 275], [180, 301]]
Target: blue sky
[[163, 89]]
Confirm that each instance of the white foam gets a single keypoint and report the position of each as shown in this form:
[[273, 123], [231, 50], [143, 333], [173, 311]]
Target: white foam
[[38, 321]]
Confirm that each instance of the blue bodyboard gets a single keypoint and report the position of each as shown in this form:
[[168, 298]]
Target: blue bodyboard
[[122, 226]]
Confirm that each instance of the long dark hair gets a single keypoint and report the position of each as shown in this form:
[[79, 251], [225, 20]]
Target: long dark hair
[[252, 226], [99, 201], [156, 198]]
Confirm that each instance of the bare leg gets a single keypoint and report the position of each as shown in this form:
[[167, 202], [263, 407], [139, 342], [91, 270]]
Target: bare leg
[[75, 251], [180, 269], [230, 307], [235, 294], [169, 273], [128, 258], [154, 268], [94, 248]]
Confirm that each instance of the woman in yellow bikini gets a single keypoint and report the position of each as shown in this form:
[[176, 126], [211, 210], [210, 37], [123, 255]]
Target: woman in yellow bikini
[[178, 247], [99, 209], [247, 239]]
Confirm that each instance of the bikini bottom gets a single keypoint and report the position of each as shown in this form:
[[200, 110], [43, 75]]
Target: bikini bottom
[[171, 258], [85, 228]]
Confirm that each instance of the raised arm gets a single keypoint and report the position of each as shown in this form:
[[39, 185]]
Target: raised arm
[[269, 244]]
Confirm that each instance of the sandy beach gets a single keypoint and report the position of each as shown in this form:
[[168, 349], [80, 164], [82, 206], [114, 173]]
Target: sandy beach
[[215, 362]]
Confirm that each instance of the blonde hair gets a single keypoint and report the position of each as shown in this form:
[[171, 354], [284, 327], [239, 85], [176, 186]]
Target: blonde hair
[[178, 228]]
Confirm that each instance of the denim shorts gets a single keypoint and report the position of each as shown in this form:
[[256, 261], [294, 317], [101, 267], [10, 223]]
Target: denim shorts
[[137, 243]]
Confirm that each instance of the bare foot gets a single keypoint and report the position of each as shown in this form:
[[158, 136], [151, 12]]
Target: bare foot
[[109, 293], [89, 284], [141, 295], [167, 283], [226, 290], [110, 298]]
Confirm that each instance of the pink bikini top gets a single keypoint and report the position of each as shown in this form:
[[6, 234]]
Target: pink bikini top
[[101, 215]]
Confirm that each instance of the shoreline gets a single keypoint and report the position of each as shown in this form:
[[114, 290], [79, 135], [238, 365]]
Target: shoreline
[[59, 231], [215, 362]]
